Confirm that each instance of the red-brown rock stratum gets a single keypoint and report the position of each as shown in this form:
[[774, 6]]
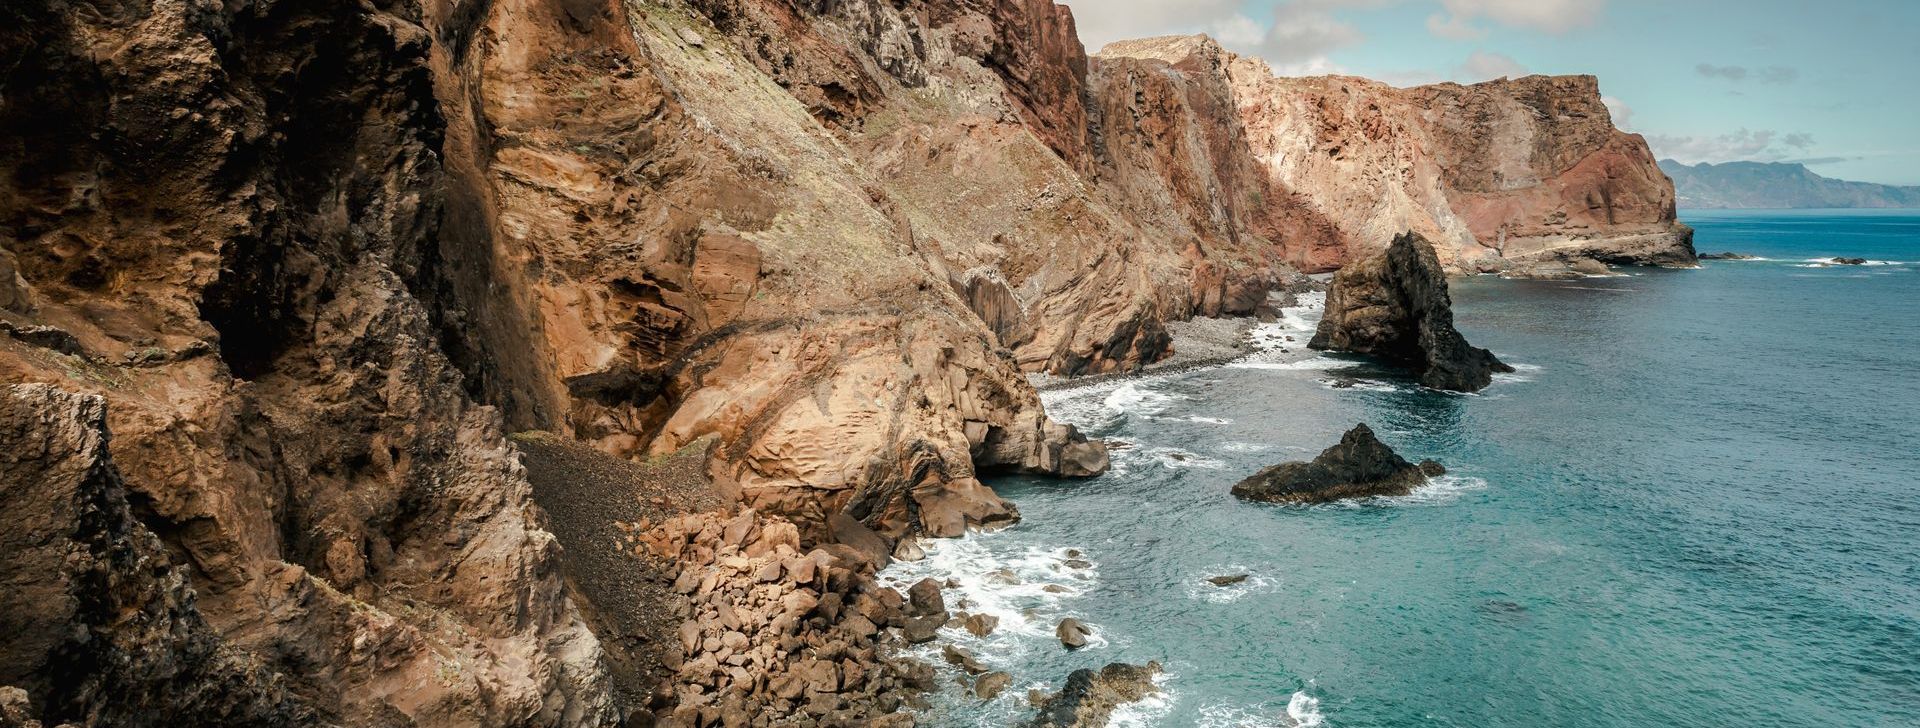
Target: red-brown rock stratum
[[766, 277]]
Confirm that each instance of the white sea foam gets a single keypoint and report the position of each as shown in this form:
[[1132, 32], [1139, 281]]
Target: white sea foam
[[1436, 491], [1148, 711], [1104, 403], [1317, 362], [1246, 447], [1304, 711], [1520, 373], [1364, 385], [1835, 263], [1199, 589], [1029, 592]]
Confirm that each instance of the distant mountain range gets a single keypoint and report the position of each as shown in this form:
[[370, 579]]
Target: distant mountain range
[[1771, 185]]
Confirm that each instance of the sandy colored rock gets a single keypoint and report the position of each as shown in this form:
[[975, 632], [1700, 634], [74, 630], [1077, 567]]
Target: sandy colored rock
[[1523, 169], [1072, 634]]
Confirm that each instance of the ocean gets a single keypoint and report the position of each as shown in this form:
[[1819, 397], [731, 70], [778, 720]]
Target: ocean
[[1696, 504]]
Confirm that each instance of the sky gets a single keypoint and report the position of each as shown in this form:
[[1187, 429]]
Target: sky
[[1833, 84]]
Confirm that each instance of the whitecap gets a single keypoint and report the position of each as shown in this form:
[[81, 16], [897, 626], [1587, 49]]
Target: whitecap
[[1304, 711], [1122, 461], [1151, 710], [1363, 385], [1028, 591], [1199, 589], [1313, 363], [1825, 262], [1246, 447]]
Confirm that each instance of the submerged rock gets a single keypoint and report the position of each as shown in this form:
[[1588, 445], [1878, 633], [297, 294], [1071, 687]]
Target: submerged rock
[[1227, 580], [1089, 698], [990, 685], [1358, 467], [1728, 256], [1849, 261], [1395, 306]]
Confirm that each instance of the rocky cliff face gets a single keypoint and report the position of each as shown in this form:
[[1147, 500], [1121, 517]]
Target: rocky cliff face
[[318, 259], [1394, 305], [1496, 174]]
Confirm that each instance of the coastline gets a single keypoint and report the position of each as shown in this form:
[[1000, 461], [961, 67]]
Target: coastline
[[1207, 342]]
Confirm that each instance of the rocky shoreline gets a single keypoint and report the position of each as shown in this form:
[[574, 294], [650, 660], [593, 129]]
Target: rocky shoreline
[[779, 271]]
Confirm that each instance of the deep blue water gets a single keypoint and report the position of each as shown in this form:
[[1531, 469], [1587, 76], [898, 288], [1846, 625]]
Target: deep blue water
[[1698, 504]]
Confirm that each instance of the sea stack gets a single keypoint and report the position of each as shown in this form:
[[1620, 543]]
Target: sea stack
[[1395, 306], [1358, 467]]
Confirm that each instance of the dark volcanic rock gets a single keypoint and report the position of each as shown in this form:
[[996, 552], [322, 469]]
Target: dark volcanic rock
[[101, 626], [1849, 261], [1727, 256], [1359, 466], [1089, 697], [1395, 306]]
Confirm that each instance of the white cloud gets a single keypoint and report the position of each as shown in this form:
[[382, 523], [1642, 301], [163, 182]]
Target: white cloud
[[1454, 27], [1105, 21], [1296, 42], [1744, 145], [1551, 16], [1305, 32], [1622, 113], [1775, 75], [1486, 66], [1239, 31]]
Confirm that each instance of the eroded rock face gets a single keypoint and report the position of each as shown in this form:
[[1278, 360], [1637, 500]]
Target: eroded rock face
[[102, 628], [1089, 697], [1359, 466], [1395, 306], [1519, 170], [224, 211]]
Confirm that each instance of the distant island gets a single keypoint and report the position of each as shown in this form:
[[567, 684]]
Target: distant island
[[1775, 185]]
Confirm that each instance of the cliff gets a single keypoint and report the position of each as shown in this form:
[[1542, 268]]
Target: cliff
[[1496, 174], [311, 263], [1775, 185]]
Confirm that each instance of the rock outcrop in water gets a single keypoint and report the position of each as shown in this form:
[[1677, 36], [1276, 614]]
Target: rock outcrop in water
[[1359, 466], [1089, 697], [319, 259], [1395, 306]]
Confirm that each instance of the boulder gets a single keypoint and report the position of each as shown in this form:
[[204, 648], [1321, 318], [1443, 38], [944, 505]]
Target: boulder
[[990, 685], [908, 550], [1727, 256], [962, 659], [1227, 580], [849, 531], [923, 598], [1072, 633], [1358, 467], [1089, 698], [1394, 306], [921, 630], [1849, 261], [980, 625]]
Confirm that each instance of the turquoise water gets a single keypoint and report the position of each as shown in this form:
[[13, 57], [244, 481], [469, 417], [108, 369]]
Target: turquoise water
[[1697, 504]]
